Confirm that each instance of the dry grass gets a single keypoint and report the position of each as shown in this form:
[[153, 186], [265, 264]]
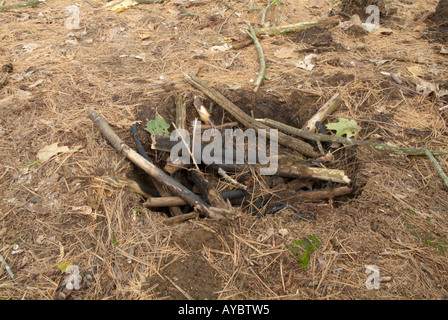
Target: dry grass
[[122, 65]]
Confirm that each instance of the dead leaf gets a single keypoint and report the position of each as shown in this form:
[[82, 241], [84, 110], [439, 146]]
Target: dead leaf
[[47, 152], [120, 5], [224, 47], [83, 210], [415, 70], [306, 62], [426, 88]]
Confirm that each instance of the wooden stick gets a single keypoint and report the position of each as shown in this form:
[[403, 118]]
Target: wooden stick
[[162, 190], [21, 5], [322, 194], [159, 202], [262, 71], [181, 218], [181, 114], [351, 142], [290, 28], [156, 173], [242, 44], [302, 195], [325, 110], [294, 170], [436, 166], [290, 142]]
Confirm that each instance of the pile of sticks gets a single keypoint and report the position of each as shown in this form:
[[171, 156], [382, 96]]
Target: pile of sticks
[[210, 203], [185, 204]]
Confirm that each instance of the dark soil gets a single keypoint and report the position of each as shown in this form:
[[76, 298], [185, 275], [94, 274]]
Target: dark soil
[[192, 273], [438, 30]]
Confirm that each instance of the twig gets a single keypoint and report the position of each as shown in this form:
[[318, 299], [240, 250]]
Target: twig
[[242, 44], [7, 267], [376, 121], [230, 180], [262, 71], [351, 142], [158, 202], [181, 218], [321, 194], [295, 27], [325, 110], [181, 114], [436, 166], [21, 5]]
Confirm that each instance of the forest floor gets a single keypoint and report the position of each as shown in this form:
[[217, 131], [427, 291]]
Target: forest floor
[[127, 65]]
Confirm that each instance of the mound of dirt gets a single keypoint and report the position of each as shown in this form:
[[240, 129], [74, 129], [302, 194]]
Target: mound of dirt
[[440, 16], [438, 31]]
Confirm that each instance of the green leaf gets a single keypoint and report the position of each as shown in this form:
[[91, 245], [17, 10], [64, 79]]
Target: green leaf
[[158, 126], [348, 127], [115, 241], [303, 248], [63, 266]]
